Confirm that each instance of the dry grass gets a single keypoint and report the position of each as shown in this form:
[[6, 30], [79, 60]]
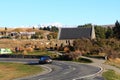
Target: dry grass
[[14, 70], [114, 62], [7, 73], [9, 43], [22, 30], [12, 43]]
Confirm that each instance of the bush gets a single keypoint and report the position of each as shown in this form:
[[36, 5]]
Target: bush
[[66, 49], [29, 49], [84, 60], [110, 47], [60, 48], [65, 57]]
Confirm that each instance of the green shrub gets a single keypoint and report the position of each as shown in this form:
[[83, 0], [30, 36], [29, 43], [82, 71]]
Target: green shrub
[[84, 60]]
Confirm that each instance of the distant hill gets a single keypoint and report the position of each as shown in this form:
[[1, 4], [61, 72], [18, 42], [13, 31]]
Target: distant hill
[[23, 30], [110, 25]]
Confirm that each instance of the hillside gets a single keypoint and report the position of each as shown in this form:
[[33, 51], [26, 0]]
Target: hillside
[[22, 30], [13, 42]]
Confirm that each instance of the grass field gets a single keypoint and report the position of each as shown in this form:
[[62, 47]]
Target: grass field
[[15, 70], [111, 75], [38, 52]]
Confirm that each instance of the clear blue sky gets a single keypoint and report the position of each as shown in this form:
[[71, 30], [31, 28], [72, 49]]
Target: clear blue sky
[[66, 12]]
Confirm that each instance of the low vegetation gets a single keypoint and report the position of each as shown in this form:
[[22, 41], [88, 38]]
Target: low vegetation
[[95, 56], [111, 75], [44, 53], [84, 60], [39, 52], [15, 70], [74, 57], [114, 62]]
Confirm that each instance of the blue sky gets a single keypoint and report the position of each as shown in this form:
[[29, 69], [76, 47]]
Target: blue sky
[[66, 12]]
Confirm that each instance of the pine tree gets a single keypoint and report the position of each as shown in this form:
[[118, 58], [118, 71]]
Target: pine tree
[[5, 28], [116, 30], [109, 33]]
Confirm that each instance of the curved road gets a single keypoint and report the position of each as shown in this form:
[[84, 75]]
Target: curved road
[[61, 70]]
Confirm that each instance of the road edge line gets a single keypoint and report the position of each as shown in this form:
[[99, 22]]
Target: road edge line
[[87, 76]]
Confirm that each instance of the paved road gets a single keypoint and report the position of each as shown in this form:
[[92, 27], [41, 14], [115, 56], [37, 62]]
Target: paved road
[[62, 70]]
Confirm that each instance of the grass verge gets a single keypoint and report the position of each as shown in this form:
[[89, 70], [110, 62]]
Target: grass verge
[[39, 52], [117, 65], [44, 53], [16, 70], [111, 75]]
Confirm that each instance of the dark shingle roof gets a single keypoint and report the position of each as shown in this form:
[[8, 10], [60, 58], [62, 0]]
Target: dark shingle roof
[[75, 33]]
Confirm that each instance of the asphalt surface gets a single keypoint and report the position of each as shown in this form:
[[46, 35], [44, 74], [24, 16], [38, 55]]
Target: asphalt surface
[[61, 70]]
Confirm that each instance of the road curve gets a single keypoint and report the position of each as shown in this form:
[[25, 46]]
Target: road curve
[[61, 70]]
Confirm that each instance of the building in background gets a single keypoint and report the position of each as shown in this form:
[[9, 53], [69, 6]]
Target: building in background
[[66, 35]]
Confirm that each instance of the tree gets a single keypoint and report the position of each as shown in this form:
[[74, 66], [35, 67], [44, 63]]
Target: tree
[[48, 28], [40, 28], [54, 29], [53, 35], [5, 28], [33, 27], [116, 30], [37, 35], [49, 37], [86, 25], [100, 32], [45, 28], [109, 33], [80, 26], [82, 44]]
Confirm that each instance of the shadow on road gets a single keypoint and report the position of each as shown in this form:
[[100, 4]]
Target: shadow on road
[[35, 63]]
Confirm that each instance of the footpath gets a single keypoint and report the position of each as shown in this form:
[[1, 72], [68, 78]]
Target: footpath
[[101, 63]]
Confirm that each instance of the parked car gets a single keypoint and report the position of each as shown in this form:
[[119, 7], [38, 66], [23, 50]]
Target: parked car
[[45, 59]]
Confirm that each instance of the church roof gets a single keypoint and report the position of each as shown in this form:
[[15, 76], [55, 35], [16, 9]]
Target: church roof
[[75, 33]]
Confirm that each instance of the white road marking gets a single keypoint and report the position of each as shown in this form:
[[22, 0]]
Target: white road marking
[[66, 72], [71, 69], [59, 64], [74, 68], [69, 66], [49, 70], [42, 79], [87, 76]]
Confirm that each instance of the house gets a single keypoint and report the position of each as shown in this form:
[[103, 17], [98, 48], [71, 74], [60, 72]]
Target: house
[[27, 34], [16, 35], [66, 35]]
